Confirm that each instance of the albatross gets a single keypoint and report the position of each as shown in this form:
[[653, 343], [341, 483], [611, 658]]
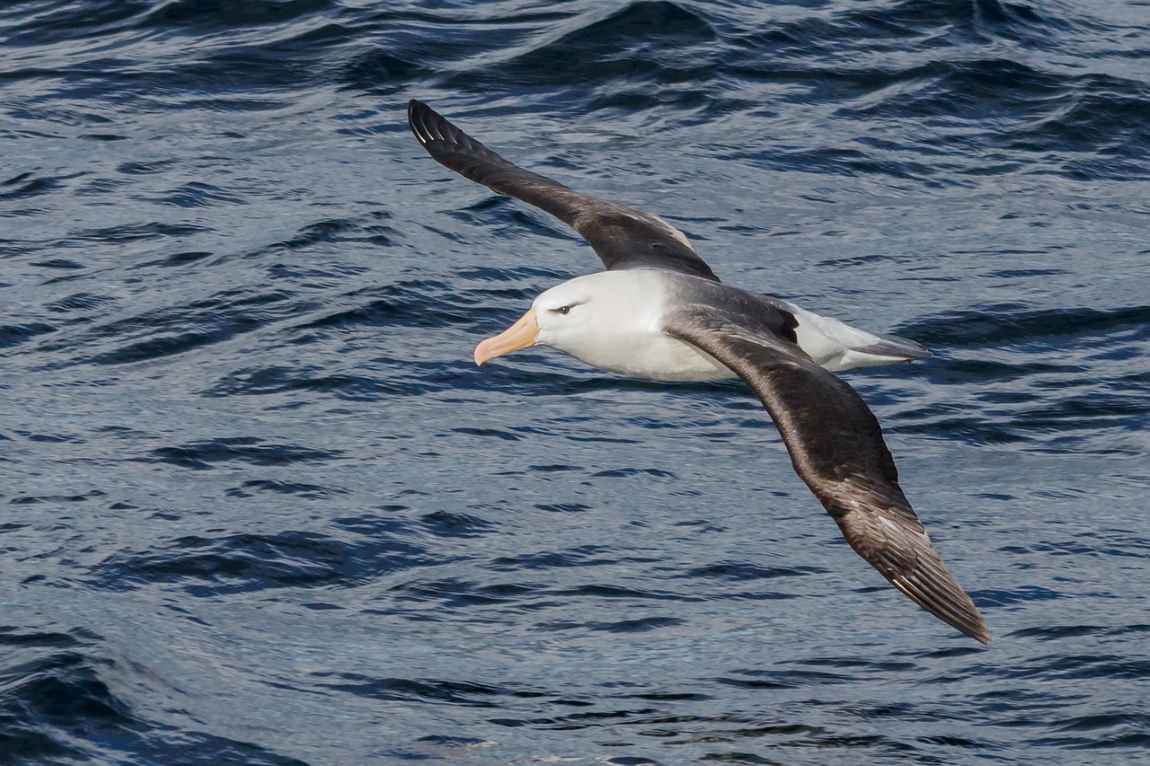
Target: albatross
[[658, 311]]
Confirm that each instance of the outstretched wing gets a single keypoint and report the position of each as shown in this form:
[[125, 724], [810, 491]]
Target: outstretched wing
[[837, 448], [623, 238]]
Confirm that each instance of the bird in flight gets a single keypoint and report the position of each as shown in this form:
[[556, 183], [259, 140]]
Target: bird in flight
[[658, 311]]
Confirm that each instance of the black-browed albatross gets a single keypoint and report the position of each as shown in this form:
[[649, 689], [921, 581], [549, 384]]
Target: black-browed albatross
[[659, 312]]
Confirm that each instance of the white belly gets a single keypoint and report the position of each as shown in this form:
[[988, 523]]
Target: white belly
[[655, 356]]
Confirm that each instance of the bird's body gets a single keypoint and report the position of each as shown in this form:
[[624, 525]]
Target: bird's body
[[627, 336], [659, 312]]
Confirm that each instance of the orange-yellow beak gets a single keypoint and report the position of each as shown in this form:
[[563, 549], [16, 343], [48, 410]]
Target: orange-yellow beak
[[519, 335]]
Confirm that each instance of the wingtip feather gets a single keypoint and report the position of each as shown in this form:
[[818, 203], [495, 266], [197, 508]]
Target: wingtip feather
[[947, 601], [428, 125], [415, 109]]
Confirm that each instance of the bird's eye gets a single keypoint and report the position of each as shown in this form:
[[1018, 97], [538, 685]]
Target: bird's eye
[[564, 310]]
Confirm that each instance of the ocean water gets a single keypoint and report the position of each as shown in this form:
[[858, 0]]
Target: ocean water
[[258, 506]]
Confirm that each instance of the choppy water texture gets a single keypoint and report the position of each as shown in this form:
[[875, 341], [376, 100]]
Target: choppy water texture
[[259, 507]]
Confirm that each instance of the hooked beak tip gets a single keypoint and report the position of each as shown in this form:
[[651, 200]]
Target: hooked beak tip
[[519, 335]]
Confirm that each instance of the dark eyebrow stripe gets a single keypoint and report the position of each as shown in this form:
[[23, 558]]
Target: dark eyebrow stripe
[[568, 306]]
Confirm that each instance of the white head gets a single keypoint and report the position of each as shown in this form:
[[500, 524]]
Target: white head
[[579, 316]]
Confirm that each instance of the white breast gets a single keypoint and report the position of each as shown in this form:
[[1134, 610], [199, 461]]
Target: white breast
[[655, 356]]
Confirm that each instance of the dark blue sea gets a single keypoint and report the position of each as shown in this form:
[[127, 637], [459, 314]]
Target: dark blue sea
[[258, 505]]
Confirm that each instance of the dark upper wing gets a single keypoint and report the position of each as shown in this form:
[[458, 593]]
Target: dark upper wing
[[623, 238], [837, 448]]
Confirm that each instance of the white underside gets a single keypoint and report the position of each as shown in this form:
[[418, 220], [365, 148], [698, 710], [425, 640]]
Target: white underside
[[617, 332], [832, 344], [661, 357]]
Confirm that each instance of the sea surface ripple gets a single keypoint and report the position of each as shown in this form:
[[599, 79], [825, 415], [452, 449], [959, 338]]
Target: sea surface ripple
[[259, 506]]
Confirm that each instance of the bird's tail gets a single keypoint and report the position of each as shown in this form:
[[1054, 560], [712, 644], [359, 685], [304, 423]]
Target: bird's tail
[[837, 346]]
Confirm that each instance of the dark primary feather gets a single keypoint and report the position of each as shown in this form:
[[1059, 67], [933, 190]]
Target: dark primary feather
[[622, 237], [836, 446]]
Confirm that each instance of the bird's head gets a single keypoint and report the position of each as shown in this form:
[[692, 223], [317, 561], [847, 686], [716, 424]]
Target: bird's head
[[574, 317]]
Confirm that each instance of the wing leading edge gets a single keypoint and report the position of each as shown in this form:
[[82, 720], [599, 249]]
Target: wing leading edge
[[622, 237]]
